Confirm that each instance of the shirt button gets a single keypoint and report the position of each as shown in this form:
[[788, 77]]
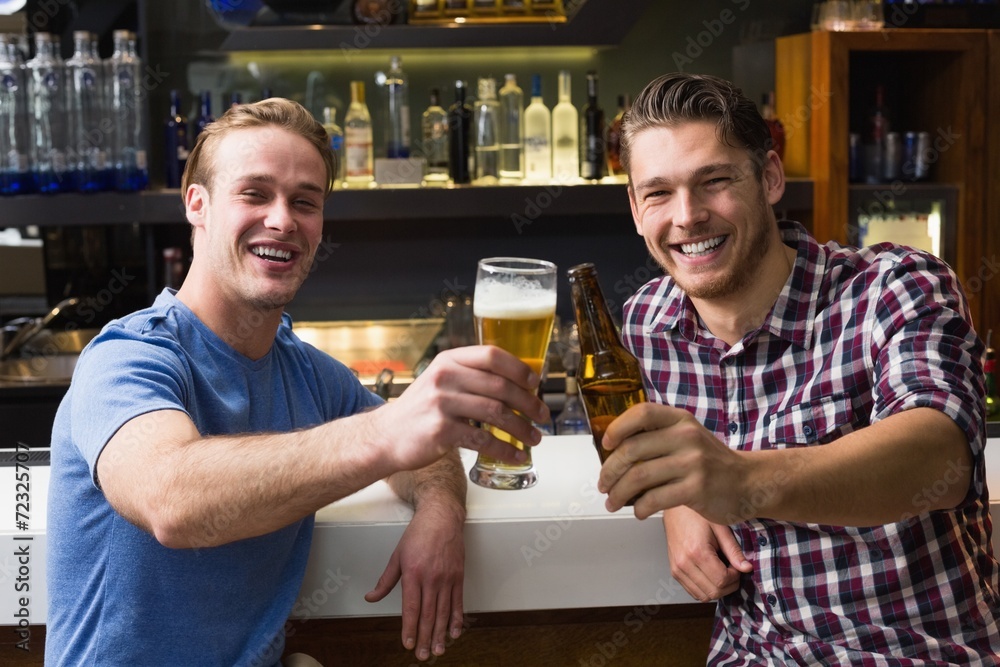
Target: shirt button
[[771, 599], [762, 540], [733, 427], [808, 430]]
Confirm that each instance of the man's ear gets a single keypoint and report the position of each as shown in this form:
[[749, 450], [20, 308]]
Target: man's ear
[[196, 204], [773, 178]]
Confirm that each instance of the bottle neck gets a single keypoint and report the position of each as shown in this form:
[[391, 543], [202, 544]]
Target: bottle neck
[[564, 88], [596, 325]]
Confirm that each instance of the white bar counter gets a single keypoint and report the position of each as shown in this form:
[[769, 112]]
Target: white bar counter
[[550, 547]]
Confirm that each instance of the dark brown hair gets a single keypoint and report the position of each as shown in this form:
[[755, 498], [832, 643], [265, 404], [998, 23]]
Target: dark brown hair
[[276, 111], [677, 98]]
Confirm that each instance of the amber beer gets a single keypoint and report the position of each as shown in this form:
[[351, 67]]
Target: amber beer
[[523, 329], [609, 377], [514, 306], [604, 401]]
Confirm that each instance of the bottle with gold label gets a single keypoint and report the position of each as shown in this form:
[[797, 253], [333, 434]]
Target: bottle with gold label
[[609, 377]]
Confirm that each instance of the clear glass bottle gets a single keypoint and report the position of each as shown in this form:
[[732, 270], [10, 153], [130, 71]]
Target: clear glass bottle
[[87, 112], [15, 127], [511, 139], [204, 115], [434, 129], [397, 135], [565, 134], [128, 115], [615, 138], [572, 420], [175, 145], [49, 97], [609, 376], [592, 130], [459, 136], [336, 136], [486, 123], [537, 136], [358, 152]]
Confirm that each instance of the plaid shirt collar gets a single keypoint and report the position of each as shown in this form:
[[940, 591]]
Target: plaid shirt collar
[[793, 315]]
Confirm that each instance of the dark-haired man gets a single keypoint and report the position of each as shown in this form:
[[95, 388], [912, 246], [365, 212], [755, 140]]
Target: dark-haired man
[[803, 399]]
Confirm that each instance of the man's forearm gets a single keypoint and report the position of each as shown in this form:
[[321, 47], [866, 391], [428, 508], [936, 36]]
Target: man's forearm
[[879, 474], [191, 491]]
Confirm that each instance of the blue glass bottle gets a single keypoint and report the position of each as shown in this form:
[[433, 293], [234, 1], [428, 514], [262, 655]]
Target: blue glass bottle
[[204, 116], [15, 129], [128, 115], [175, 150], [50, 129]]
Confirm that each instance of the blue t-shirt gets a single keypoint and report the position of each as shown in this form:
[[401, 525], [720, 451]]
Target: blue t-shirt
[[116, 595]]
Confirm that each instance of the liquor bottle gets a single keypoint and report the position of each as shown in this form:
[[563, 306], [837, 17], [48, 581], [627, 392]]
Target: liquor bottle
[[397, 135], [175, 150], [592, 131], [128, 115], [615, 138], [774, 125], [15, 128], [89, 151], [459, 135], [50, 139], [565, 135], [511, 140], [537, 136], [359, 157], [878, 128], [572, 420], [609, 376], [989, 370], [336, 137], [486, 123], [204, 115], [434, 128], [235, 99]]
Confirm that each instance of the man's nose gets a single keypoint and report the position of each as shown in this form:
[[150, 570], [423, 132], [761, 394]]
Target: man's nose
[[689, 209], [281, 216]]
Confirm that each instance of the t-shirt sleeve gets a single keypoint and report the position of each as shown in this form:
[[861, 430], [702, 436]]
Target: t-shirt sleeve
[[119, 378], [927, 353]]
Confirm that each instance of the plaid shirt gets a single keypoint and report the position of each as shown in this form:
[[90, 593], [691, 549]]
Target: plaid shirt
[[854, 336]]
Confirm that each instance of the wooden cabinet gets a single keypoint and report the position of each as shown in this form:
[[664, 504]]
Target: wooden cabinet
[[935, 81]]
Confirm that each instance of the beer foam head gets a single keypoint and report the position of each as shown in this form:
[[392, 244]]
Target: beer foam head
[[517, 300]]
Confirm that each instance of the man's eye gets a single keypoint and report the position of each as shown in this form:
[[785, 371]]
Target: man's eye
[[306, 203], [718, 181], [252, 194], [655, 193]]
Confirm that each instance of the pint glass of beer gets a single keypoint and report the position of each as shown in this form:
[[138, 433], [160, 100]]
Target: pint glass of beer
[[514, 306]]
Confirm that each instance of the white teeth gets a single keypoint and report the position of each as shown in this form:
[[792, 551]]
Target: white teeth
[[262, 251], [702, 247]]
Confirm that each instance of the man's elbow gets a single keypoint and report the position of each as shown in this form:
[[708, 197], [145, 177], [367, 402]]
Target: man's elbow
[[954, 477]]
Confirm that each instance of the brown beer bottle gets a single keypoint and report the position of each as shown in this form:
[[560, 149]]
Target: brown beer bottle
[[609, 377]]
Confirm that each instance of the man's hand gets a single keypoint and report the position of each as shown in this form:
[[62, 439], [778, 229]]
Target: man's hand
[[667, 456], [476, 383], [430, 560], [697, 548]]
